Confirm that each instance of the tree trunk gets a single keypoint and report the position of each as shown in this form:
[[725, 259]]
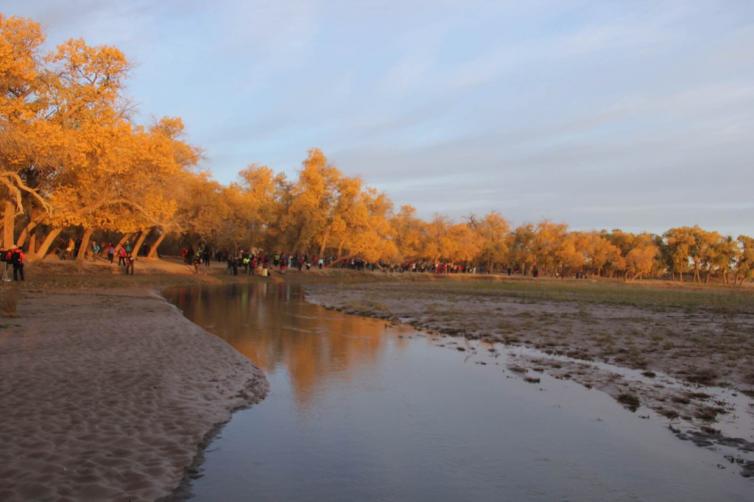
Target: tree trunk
[[340, 250], [84, 246], [323, 246], [122, 240], [32, 245], [42, 251], [155, 245], [9, 218], [25, 233], [140, 242]]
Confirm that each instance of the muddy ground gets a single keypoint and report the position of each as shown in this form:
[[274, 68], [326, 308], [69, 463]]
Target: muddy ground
[[684, 353]]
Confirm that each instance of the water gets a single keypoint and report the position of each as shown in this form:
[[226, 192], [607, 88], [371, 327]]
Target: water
[[361, 411]]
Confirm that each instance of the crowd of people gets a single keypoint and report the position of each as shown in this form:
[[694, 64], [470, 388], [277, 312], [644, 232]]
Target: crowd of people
[[244, 261], [250, 261], [258, 262]]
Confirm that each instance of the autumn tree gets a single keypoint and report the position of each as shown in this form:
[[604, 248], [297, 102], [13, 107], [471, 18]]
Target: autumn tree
[[522, 250], [641, 259], [408, 233], [260, 189], [24, 136], [311, 213], [492, 235]]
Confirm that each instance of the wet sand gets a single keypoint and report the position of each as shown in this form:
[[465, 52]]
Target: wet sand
[[110, 395]]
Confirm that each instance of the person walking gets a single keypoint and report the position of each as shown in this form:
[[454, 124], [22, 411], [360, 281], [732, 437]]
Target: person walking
[[130, 259], [95, 250], [246, 260], [110, 252], [122, 254], [69, 250], [17, 260], [197, 260]]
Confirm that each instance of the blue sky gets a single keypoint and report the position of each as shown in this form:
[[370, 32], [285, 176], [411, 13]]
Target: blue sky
[[633, 114]]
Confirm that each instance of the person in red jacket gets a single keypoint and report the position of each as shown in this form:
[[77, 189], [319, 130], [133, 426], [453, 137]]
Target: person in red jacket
[[17, 259]]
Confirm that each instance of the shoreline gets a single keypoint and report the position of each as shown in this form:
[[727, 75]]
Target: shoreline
[[99, 301], [565, 339], [111, 395]]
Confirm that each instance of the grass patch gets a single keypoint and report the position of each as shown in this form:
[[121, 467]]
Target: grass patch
[[630, 401], [651, 295]]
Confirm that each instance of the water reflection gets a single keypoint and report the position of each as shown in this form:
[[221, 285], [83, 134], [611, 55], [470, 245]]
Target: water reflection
[[275, 328], [355, 412]]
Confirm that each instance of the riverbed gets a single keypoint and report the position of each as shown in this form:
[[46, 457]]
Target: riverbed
[[363, 410]]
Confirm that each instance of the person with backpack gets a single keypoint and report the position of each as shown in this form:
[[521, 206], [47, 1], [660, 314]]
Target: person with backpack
[[17, 260]]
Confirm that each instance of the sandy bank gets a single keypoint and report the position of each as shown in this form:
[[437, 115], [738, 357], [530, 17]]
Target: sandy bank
[[107, 395]]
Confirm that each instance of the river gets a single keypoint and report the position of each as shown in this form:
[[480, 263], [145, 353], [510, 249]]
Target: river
[[359, 410]]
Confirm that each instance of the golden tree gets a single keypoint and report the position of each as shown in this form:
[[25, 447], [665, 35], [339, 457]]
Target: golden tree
[[493, 239], [25, 137]]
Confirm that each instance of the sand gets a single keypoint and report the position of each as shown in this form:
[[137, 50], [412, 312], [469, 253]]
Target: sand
[[110, 395]]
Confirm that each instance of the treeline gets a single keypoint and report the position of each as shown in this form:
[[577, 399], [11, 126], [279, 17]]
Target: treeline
[[75, 166]]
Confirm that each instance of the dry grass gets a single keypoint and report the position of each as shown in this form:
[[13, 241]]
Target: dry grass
[[658, 295]]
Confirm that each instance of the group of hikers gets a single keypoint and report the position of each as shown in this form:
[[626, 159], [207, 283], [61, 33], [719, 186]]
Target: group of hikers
[[201, 256], [124, 253], [436, 267], [13, 257], [251, 261], [126, 256], [257, 262]]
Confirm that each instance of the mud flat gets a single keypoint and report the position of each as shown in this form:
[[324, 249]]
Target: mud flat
[[110, 395], [686, 355]]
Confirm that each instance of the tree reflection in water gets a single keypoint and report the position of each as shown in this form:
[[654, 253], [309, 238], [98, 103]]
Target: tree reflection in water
[[270, 324]]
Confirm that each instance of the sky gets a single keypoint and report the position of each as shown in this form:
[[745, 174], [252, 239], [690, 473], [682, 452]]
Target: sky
[[601, 114]]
